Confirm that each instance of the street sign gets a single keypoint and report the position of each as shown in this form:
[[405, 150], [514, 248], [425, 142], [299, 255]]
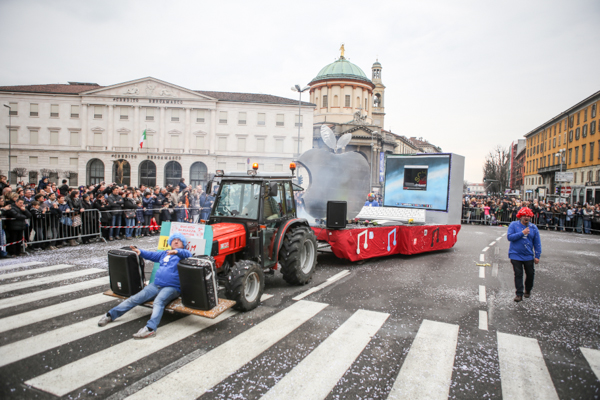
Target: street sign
[[563, 176], [565, 191]]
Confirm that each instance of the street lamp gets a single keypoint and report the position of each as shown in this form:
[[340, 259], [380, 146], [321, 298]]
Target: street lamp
[[559, 154], [372, 155], [9, 138], [296, 88]]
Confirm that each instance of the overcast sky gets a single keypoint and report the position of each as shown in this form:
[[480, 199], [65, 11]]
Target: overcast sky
[[464, 75]]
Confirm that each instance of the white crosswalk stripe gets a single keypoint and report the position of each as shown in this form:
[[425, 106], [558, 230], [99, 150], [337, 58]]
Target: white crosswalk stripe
[[9, 287], [307, 381], [427, 369], [65, 379], [37, 344], [53, 292], [15, 266], [593, 358], [41, 314], [523, 372], [216, 365], [34, 271]]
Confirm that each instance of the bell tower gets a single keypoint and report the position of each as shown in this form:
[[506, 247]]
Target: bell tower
[[378, 95]]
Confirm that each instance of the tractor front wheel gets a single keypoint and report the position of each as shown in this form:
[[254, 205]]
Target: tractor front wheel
[[298, 255], [246, 285]]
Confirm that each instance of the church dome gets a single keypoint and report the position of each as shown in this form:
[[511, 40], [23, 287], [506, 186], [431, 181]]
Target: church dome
[[341, 69]]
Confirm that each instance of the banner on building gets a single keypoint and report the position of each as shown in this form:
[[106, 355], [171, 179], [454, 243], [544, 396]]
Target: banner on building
[[381, 166]]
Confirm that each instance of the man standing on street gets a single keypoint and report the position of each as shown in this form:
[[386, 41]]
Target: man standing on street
[[524, 251]]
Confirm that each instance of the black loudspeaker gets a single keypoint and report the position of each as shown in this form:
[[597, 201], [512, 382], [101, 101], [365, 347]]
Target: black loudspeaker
[[336, 214], [125, 269], [198, 280]]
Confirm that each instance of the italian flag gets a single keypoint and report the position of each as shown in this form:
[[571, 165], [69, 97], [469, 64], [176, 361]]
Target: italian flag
[[143, 139]]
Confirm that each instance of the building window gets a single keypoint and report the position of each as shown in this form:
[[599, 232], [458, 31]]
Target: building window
[[262, 119], [575, 177], [54, 138], [74, 139], [554, 142], [172, 173], [592, 127], [147, 173], [279, 145], [299, 120], [14, 108], [124, 140], [174, 141], [98, 112], [121, 172], [325, 100], [175, 115], [33, 136], [565, 138], [149, 114], [53, 161], [584, 130], [222, 117], [222, 143], [576, 154], [124, 113], [222, 165], [582, 177], [280, 120], [241, 118], [583, 146], [33, 176], [592, 151], [95, 171], [241, 144], [578, 117], [241, 166], [199, 115], [366, 104], [593, 111], [199, 142], [54, 111], [74, 111], [347, 101], [33, 160], [590, 176], [33, 110], [571, 118], [585, 115], [198, 174], [570, 154], [570, 136], [260, 145], [577, 133], [97, 138]]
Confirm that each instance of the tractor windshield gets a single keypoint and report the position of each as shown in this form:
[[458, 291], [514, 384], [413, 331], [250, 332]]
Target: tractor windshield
[[238, 199]]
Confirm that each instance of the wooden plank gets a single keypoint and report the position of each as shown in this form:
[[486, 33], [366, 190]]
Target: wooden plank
[[177, 306]]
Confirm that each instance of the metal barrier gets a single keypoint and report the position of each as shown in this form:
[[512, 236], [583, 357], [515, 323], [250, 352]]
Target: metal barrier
[[55, 229], [561, 222]]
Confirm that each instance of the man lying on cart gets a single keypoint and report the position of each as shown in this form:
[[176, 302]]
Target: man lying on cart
[[163, 290]]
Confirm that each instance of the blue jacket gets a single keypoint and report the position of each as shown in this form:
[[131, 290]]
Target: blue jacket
[[180, 211], [139, 214], [149, 204], [167, 274], [371, 203], [523, 248]]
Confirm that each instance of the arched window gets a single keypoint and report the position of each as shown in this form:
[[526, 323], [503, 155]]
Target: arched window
[[172, 173], [121, 172], [198, 174], [94, 171], [147, 173]]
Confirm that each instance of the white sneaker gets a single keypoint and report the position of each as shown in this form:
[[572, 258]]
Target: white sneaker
[[104, 320], [144, 333]]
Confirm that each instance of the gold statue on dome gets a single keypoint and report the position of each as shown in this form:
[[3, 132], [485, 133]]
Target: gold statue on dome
[[342, 50]]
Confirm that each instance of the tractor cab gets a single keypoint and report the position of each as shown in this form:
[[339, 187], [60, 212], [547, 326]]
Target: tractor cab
[[253, 217]]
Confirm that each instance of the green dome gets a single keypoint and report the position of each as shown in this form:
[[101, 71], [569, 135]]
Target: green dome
[[341, 69]]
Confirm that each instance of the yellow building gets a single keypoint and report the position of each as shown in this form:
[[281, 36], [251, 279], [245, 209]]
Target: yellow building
[[568, 142]]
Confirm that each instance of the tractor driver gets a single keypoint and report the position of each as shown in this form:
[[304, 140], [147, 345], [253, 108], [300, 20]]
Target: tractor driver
[[163, 290]]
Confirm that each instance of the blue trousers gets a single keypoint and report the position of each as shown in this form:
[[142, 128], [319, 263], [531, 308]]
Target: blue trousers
[[162, 297], [129, 222], [116, 221]]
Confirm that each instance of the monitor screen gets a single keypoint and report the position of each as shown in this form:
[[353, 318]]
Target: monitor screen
[[417, 181]]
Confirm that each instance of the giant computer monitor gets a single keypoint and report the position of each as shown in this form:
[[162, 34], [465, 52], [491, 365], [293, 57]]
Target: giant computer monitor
[[431, 182]]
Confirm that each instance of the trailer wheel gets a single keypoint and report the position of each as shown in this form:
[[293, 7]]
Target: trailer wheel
[[298, 255], [246, 285]]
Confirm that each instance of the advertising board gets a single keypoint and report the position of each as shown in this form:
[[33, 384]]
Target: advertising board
[[563, 176]]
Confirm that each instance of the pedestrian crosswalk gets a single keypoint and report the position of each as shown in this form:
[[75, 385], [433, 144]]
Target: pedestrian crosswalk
[[425, 363]]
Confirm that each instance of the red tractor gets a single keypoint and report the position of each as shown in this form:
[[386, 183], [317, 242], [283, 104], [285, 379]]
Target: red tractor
[[256, 232]]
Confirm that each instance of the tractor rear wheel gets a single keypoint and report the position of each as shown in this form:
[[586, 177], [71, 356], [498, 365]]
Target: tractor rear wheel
[[246, 285], [298, 255]]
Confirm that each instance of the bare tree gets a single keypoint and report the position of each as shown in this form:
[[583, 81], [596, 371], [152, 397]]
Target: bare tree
[[495, 169], [20, 172], [46, 172]]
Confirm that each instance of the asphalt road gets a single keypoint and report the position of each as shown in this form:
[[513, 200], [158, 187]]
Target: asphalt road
[[434, 325]]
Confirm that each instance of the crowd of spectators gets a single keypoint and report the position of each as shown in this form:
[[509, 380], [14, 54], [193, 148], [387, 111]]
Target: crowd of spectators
[[49, 216], [493, 210]]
